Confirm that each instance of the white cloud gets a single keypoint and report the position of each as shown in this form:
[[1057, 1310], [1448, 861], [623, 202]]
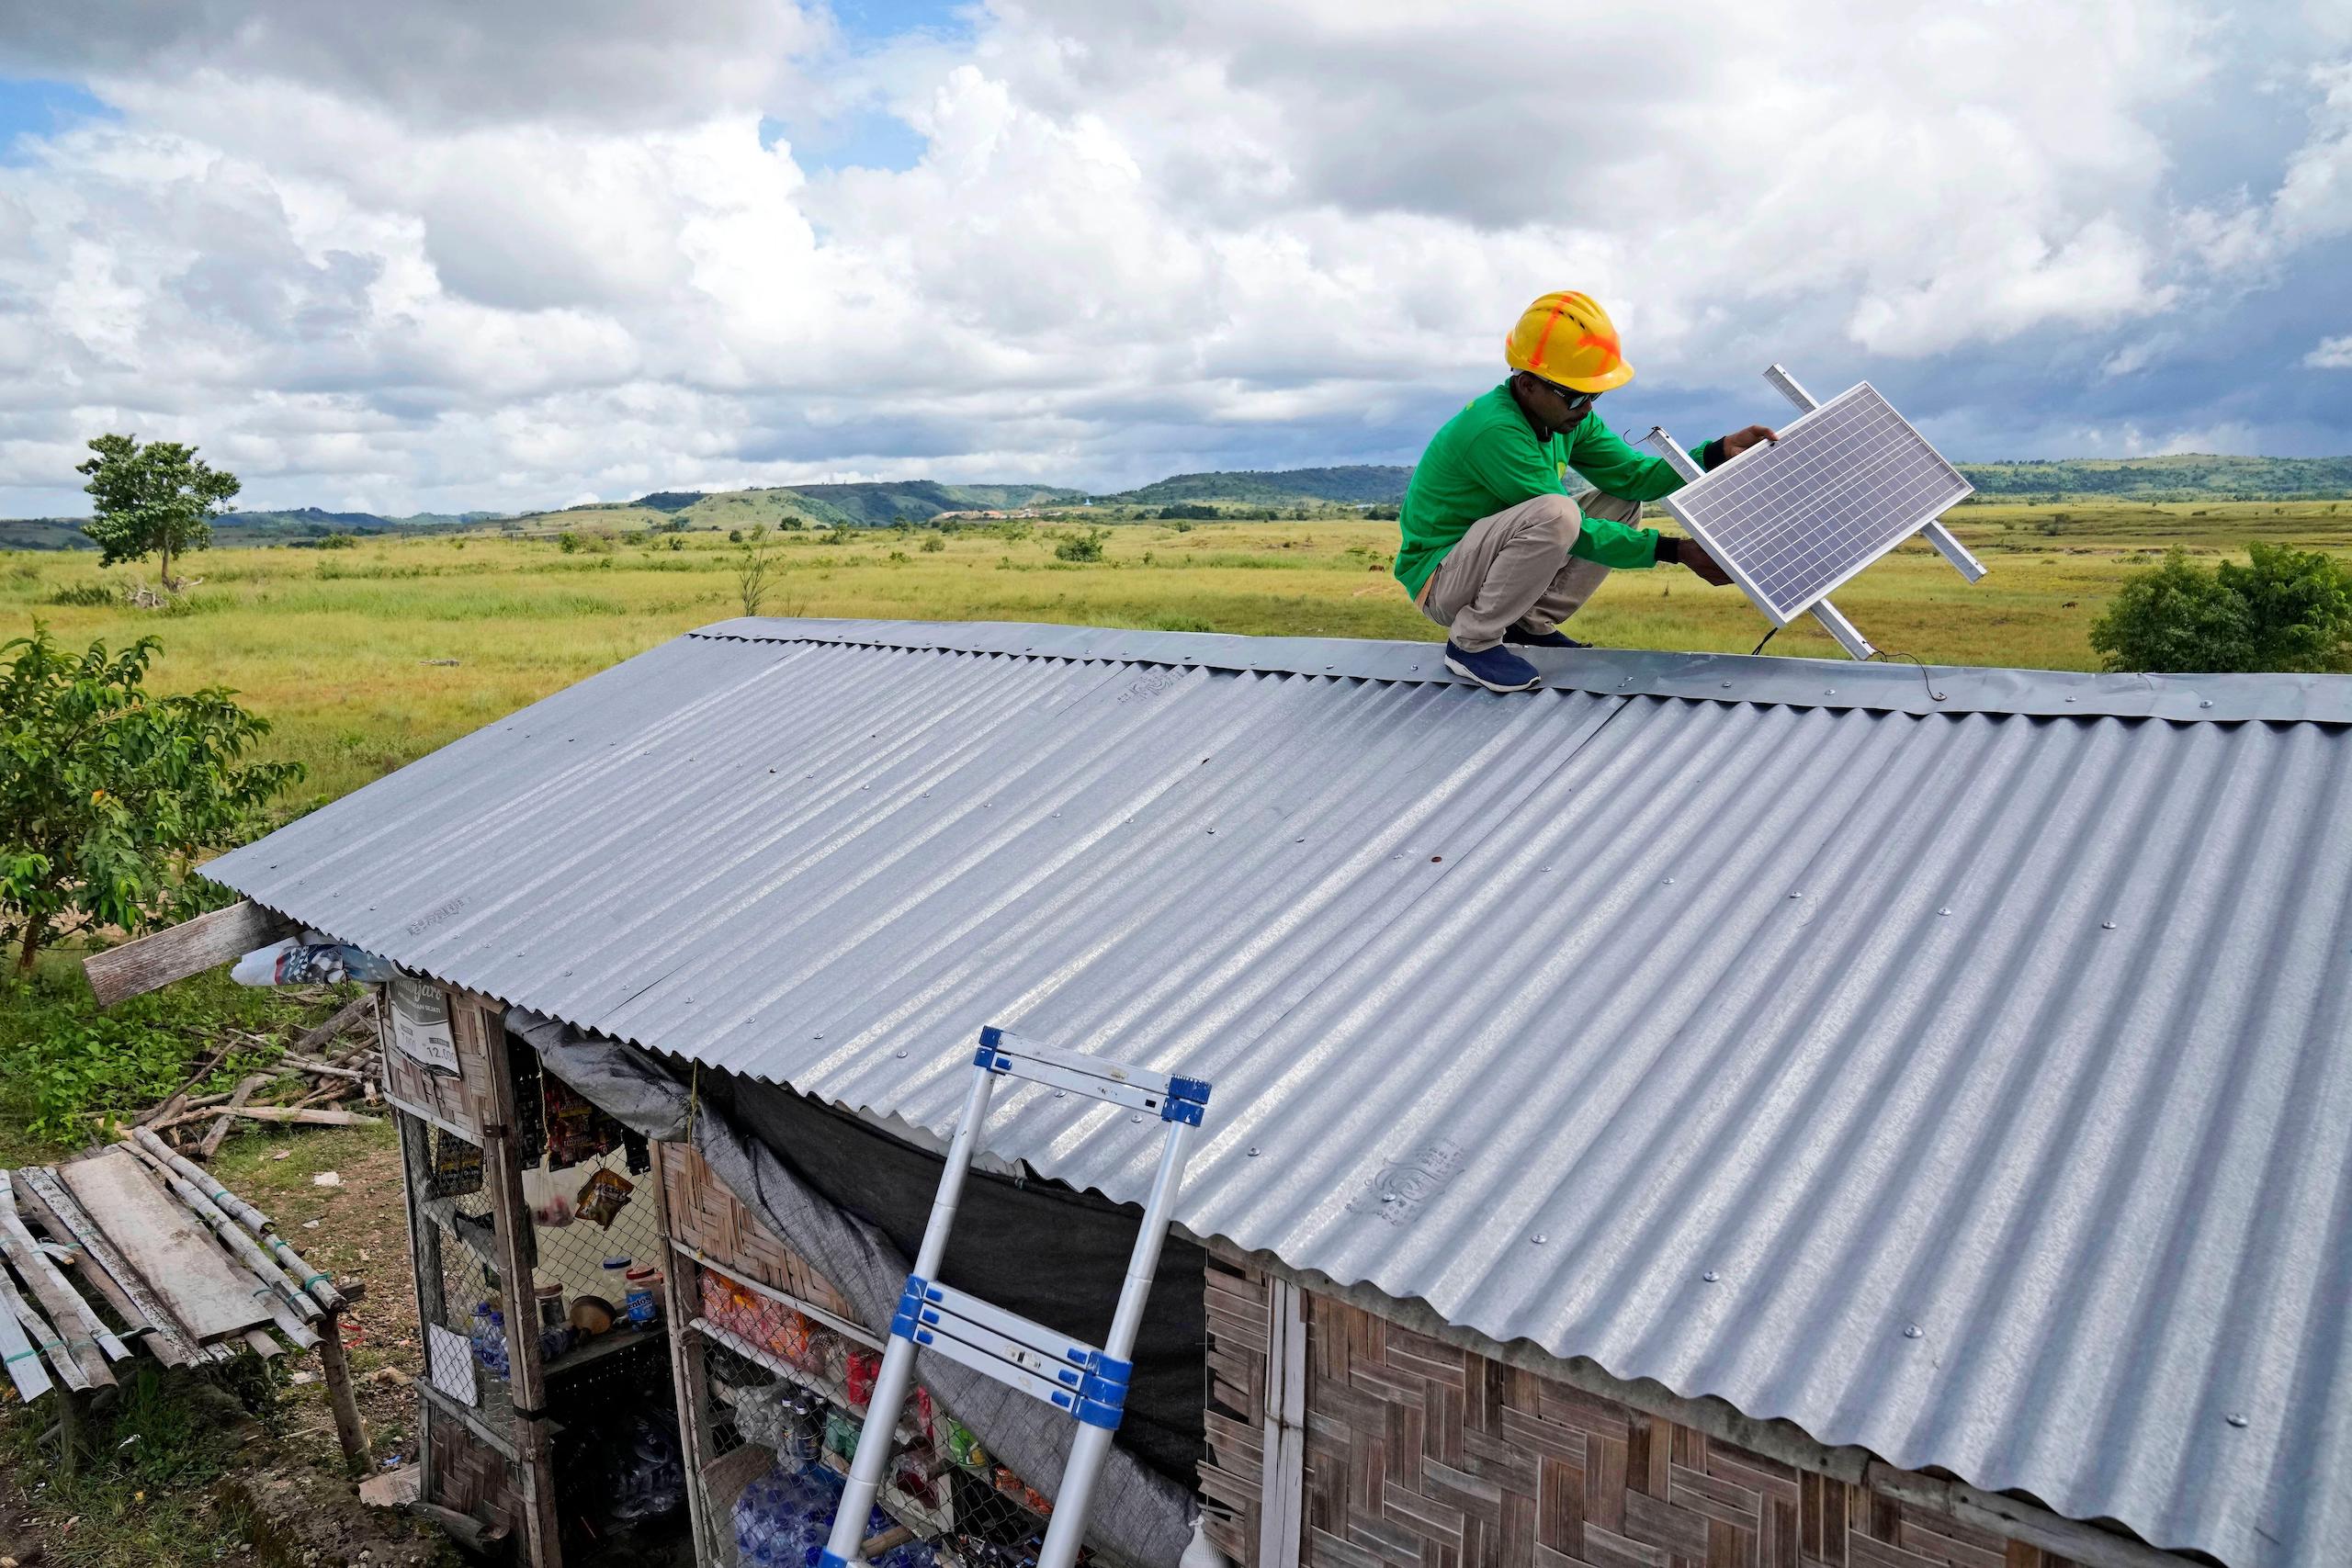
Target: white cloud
[[2331, 354], [492, 256]]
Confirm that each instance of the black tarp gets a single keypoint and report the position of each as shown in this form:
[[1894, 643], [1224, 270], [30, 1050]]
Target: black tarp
[[1034, 1248]]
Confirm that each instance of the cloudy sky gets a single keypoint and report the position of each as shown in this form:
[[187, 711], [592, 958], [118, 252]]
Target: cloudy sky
[[451, 254]]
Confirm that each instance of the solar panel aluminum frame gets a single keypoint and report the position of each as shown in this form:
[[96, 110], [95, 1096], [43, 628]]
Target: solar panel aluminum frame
[[1727, 559]]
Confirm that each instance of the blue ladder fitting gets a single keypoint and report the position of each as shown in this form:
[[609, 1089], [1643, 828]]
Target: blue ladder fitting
[[1186, 1111], [1194, 1090], [991, 1036], [830, 1559], [903, 1324]]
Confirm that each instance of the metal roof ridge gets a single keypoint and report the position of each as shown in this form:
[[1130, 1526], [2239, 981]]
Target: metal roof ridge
[[1713, 677]]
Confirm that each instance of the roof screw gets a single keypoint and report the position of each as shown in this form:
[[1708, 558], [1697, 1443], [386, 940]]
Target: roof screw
[[1945, 910], [1913, 1331], [1726, 686], [2235, 1417], [2106, 925], [1711, 1276], [1937, 696], [1253, 1151], [1298, 841], [1392, 1197], [902, 1054], [1137, 1117], [1828, 691], [816, 1037], [1796, 894], [2206, 704], [1062, 1094], [1539, 1238], [1669, 882]]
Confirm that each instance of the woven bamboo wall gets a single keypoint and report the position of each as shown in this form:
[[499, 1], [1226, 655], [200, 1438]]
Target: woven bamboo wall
[[460, 1103], [1420, 1455], [705, 1215], [469, 1478]]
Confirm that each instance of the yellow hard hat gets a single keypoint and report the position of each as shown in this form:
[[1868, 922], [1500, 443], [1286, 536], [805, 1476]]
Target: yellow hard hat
[[1568, 339]]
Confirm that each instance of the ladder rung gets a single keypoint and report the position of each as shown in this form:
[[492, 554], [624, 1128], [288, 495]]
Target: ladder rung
[[1053, 1348], [955, 1350], [1140, 1088]]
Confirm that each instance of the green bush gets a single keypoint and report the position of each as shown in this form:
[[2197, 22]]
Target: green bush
[[109, 794], [2284, 609], [932, 545], [88, 596], [1085, 546]]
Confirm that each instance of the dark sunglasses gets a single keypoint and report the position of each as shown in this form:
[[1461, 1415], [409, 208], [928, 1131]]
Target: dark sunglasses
[[1578, 403]]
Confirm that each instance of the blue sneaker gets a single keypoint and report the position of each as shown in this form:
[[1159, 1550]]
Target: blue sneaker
[[1553, 638], [1497, 669]]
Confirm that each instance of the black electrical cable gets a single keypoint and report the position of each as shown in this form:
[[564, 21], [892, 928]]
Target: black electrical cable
[[1933, 695], [1768, 637]]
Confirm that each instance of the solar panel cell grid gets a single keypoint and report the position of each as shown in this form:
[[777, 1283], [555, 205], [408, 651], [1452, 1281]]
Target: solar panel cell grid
[[1846, 484]]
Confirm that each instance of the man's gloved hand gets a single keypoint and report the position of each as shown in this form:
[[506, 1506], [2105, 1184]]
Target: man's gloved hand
[[1739, 441]]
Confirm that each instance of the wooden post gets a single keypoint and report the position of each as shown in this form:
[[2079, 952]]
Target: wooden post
[[336, 1369], [511, 1213], [682, 1301]]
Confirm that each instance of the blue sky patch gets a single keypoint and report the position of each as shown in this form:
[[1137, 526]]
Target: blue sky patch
[[40, 108]]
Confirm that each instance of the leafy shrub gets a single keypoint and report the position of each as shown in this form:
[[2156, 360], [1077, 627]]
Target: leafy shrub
[[88, 596], [1086, 546], [108, 795], [932, 545], [2284, 609]]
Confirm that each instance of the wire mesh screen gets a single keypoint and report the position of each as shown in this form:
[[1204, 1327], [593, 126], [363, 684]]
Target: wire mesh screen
[[784, 1403]]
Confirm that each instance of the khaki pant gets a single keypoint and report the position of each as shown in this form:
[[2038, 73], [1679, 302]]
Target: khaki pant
[[1514, 568]]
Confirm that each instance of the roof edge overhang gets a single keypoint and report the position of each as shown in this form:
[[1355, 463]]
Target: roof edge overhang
[[1701, 677]]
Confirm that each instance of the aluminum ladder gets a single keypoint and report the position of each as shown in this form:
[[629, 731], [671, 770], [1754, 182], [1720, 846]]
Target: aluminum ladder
[[1088, 1385]]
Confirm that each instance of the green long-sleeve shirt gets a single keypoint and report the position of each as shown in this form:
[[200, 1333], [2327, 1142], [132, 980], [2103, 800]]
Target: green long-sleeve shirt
[[1487, 458]]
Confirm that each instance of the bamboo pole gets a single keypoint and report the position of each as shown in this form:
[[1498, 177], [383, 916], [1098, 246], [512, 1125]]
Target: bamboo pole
[[61, 1299], [70, 1369], [248, 1250], [319, 1288], [19, 1353]]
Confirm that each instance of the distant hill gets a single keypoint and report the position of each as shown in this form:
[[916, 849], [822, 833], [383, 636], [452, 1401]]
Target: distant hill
[[2188, 477], [2192, 475], [875, 503], [1358, 484]]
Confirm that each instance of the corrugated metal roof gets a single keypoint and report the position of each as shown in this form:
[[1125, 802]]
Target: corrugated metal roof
[[2028, 1032]]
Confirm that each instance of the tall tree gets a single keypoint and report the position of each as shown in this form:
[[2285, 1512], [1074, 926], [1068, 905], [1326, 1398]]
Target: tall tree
[[159, 499]]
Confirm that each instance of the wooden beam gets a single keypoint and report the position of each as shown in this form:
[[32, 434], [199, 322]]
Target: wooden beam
[[190, 948]]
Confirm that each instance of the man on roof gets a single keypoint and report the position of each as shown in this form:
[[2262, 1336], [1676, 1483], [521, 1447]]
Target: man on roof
[[1494, 550]]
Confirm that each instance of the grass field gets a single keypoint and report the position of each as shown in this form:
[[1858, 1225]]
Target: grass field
[[369, 657]]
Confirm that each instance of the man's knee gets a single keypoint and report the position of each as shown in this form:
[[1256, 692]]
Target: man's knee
[[1555, 517], [1609, 507]]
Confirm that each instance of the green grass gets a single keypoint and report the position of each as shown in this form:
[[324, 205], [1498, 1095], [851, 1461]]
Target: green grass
[[345, 651]]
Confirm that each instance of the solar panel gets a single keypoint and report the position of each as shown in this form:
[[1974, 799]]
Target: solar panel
[[1845, 484]]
